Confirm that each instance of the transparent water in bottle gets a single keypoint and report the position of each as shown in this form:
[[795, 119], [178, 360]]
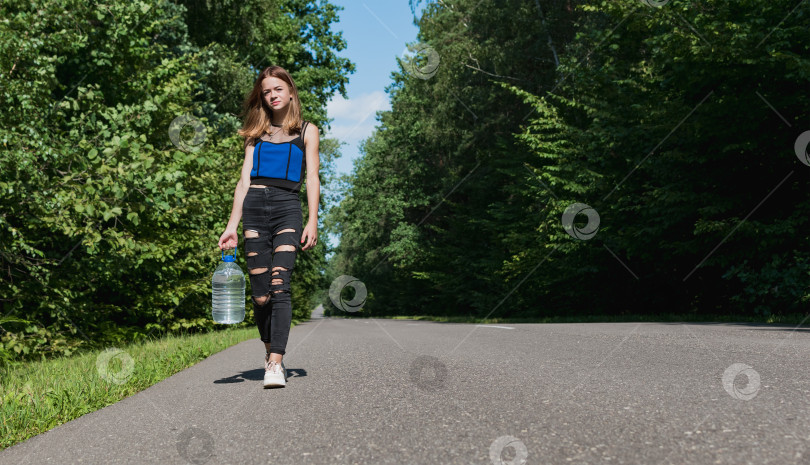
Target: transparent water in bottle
[[228, 291]]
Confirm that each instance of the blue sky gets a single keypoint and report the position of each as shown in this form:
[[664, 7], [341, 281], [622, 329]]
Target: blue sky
[[376, 33]]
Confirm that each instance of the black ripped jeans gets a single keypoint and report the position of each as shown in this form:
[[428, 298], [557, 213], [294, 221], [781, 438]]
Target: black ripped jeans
[[268, 211]]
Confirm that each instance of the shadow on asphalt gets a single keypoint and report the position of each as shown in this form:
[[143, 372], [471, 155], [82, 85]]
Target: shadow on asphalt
[[258, 375], [758, 326], [800, 328]]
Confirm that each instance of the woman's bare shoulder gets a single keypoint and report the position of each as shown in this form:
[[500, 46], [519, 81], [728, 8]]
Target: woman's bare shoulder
[[310, 131]]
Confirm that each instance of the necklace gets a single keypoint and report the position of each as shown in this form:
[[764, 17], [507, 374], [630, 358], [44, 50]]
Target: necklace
[[279, 126], [273, 134]]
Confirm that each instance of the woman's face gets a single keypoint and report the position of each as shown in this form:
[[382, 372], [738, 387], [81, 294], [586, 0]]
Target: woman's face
[[276, 93]]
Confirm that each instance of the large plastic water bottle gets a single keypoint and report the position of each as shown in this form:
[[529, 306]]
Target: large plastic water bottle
[[228, 296]]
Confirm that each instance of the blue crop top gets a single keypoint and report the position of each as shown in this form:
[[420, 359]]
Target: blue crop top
[[279, 164]]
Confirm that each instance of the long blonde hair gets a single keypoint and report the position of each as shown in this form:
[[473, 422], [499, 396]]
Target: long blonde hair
[[257, 116]]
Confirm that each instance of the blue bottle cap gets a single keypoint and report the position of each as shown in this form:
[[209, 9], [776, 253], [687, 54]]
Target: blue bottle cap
[[229, 258]]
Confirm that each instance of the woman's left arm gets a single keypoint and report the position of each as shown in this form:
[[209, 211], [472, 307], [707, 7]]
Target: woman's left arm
[[312, 146]]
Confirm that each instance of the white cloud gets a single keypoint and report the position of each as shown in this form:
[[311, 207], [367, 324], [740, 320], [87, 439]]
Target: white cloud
[[354, 119]]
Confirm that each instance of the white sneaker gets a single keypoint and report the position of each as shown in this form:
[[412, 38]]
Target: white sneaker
[[274, 375]]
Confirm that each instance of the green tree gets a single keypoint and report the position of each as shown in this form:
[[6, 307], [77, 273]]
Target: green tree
[[676, 124], [675, 106], [108, 227], [428, 208]]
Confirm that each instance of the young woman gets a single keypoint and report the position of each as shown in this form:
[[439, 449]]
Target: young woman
[[280, 150]]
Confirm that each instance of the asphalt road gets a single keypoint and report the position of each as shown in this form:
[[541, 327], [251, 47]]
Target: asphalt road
[[399, 391]]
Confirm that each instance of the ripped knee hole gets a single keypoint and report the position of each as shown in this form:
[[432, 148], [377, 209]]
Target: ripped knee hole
[[262, 299]]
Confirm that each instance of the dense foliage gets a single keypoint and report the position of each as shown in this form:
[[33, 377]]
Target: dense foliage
[[676, 125], [108, 229]]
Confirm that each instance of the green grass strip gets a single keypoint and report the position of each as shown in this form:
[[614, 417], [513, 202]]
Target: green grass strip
[[38, 396]]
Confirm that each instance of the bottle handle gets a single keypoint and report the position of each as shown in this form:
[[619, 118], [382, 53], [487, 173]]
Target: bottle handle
[[234, 252]]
